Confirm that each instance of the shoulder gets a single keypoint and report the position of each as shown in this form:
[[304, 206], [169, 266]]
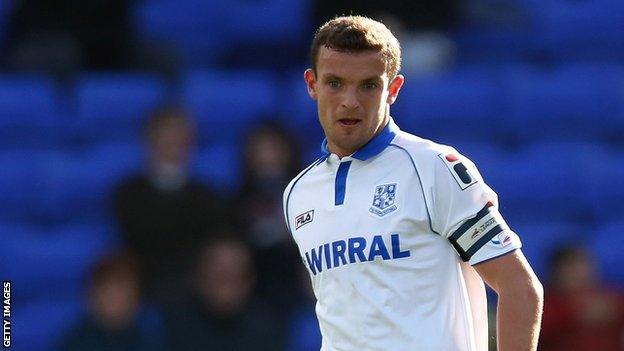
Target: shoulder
[[293, 182], [424, 153]]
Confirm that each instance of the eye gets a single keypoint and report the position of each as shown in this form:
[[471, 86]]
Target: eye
[[333, 83], [370, 86]]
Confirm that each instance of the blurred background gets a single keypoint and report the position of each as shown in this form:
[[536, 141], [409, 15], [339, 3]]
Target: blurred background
[[145, 146]]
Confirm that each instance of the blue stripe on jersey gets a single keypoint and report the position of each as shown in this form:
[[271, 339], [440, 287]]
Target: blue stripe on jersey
[[341, 182]]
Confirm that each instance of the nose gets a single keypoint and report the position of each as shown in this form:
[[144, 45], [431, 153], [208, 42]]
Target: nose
[[350, 99]]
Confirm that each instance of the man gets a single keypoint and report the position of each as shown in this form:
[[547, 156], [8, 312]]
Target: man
[[164, 211], [223, 314], [398, 233], [114, 320]]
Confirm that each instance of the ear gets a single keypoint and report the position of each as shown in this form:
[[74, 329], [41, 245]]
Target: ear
[[310, 80], [394, 88]]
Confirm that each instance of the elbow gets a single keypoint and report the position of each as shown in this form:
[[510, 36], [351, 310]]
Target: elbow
[[532, 293], [536, 292]]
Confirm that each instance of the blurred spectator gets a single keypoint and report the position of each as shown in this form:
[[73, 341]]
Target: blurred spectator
[[271, 160], [580, 313], [223, 315], [61, 36], [163, 213], [113, 322]]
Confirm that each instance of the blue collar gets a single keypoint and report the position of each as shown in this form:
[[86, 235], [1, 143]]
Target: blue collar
[[376, 145]]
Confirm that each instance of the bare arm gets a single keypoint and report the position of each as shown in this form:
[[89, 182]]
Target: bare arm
[[520, 300]]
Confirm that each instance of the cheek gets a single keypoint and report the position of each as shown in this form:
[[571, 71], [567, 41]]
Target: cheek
[[325, 107]]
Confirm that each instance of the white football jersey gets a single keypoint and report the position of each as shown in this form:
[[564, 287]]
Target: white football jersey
[[389, 236]]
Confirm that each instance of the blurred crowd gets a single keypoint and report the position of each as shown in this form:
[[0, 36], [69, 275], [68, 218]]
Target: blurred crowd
[[200, 269], [221, 272]]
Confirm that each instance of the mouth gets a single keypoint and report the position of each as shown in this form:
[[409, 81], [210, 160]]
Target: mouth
[[349, 122]]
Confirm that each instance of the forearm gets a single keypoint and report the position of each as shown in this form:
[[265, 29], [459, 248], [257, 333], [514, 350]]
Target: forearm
[[519, 318]]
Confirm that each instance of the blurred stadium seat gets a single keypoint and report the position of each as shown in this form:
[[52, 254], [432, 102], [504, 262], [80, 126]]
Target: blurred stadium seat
[[29, 111], [536, 100], [565, 102], [266, 21], [539, 240], [193, 28], [298, 110], [604, 191], [543, 182], [39, 326], [461, 104], [580, 30], [220, 166], [225, 104], [22, 184], [113, 106], [606, 245], [80, 184], [52, 263]]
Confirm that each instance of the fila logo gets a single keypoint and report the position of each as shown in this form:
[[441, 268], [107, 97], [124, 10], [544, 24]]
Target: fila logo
[[304, 219]]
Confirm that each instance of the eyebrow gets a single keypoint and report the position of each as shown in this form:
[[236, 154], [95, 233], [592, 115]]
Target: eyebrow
[[330, 76], [327, 76], [371, 79]]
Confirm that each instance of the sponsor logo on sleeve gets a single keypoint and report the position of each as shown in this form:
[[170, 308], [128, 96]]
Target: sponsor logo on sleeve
[[462, 175], [486, 227], [503, 239]]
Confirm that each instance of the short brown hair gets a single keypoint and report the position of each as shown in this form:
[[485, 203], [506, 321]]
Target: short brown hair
[[167, 115], [115, 265], [357, 34]]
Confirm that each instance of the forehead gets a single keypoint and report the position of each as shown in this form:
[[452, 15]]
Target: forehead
[[350, 65]]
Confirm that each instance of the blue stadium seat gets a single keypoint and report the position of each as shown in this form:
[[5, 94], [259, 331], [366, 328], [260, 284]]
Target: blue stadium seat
[[40, 326], [298, 111], [488, 157], [53, 263], [604, 173], [22, 184], [267, 20], [30, 112], [194, 28], [220, 166], [565, 103], [580, 30], [539, 240], [496, 31], [226, 103], [544, 182], [114, 106], [463, 104], [80, 185], [606, 246]]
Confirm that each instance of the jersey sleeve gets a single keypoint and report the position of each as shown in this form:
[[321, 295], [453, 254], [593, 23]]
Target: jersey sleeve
[[465, 211]]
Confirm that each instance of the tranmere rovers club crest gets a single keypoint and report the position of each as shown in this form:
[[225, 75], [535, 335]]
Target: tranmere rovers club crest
[[383, 202]]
